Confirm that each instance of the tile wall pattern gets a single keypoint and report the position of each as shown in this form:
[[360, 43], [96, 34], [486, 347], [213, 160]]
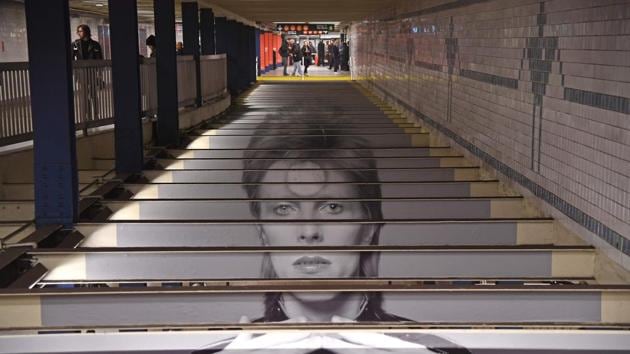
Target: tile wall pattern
[[538, 89]]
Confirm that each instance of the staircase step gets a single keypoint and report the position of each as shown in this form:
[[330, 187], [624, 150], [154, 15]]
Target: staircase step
[[381, 163], [384, 175], [300, 130], [374, 140], [245, 262], [377, 152], [246, 233], [388, 190], [393, 209], [177, 306]]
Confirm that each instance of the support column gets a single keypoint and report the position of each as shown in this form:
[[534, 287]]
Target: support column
[[243, 57], [252, 39], [123, 20], [166, 69], [257, 54], [54, 145], [251, 63], [190, 26], [206, 27], [231, 51], [221, 31]]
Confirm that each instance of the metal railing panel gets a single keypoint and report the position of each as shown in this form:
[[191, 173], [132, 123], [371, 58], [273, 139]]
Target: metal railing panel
[[186, 80], [213, 76], [93, 92], [148, 84]]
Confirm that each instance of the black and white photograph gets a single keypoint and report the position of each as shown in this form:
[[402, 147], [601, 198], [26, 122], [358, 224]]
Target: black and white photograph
[[320, 177]]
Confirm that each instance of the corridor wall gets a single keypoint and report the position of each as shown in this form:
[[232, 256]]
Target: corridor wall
[[539, 90]]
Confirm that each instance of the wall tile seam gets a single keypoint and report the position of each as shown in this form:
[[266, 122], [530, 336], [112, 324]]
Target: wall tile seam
[[612, 237], [520, 96], [569, 177], [553, 6], [509, 115], [590, 135], [500, 24], [517, 108], [554, 119], [557, 130], [596, 10], [567, 151], [524, 136], [554, 105]]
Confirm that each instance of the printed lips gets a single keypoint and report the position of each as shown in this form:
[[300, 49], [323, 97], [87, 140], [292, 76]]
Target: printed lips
[[311, 264]]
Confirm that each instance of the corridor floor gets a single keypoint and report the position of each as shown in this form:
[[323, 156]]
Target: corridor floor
[[317, 203]]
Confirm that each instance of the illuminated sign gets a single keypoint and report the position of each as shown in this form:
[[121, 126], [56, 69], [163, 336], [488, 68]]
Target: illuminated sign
[[306, 28]]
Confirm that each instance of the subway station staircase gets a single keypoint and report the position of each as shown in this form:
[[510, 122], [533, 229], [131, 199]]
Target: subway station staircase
[[320, 193]]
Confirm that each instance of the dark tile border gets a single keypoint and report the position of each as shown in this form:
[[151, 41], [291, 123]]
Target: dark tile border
[[599, 100], [427, 65], [434, 9], [489, 78], [612, 237]]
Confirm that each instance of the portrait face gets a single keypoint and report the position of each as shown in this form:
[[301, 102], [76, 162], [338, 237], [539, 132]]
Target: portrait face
[[327, 207]]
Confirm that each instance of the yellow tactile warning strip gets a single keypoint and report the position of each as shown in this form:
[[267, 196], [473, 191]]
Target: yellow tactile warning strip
[[346, 78]]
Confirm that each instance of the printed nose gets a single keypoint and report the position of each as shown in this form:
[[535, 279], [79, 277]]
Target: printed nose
[[310, 234]]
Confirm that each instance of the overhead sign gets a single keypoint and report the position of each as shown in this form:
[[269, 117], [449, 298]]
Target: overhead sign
[[305, 28]]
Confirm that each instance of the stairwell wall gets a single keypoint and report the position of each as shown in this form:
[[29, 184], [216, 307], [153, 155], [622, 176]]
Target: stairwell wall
[[539, 90]]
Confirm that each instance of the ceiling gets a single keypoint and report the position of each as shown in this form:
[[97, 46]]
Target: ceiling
[[264, 11], [303, 11]]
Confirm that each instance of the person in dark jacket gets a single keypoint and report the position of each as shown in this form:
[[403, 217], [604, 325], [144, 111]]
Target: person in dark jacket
[[336, 55], [331, 59], [321, 52], [85, 48], [296, 52], [284, 54], [151, 44], [88, 77], [345, 56], [307, 53]]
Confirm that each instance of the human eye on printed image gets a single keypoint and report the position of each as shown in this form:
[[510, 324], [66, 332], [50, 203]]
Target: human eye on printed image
[[310, 184]]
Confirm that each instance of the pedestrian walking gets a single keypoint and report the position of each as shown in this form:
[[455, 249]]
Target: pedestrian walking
[[321, 51], [296, 52], [307, 53], [88, 77], [284, 54]]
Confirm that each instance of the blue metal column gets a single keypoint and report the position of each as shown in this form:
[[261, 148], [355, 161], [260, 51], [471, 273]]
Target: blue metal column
[[221, 32], [242, 57], [190, 25], [206, 27], [123, 20], [252, 55], [231, 51], [54, 145], [166, 68], [257, 55]]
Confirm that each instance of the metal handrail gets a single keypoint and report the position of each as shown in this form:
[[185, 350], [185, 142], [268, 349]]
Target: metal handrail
[[93, 92]]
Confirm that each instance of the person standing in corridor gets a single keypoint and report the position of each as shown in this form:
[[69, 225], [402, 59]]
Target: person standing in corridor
[[336, 55], [331, 59], [296, 52], [321, 51], [307, 54], [284, 54], [88, 77], [85, 48]]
